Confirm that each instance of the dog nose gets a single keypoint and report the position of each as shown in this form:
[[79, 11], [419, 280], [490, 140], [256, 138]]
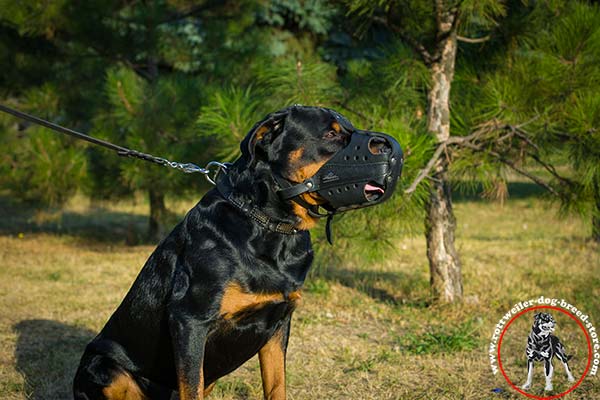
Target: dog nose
[[378, 145]]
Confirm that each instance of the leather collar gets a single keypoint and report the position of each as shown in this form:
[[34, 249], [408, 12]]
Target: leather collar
[[263, 219]]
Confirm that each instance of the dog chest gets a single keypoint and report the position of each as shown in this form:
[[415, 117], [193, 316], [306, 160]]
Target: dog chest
[[246, 323]]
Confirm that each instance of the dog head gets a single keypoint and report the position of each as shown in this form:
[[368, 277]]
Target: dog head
[[543, 324], [296, 143]]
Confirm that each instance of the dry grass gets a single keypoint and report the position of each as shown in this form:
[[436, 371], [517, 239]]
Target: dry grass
[[363, 332]]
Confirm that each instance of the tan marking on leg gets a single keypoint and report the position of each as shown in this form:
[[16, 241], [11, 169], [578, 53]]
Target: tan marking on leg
[[185, 392], [201, 383], [123, 387], [272, 368], [235, 299], [209, 388]]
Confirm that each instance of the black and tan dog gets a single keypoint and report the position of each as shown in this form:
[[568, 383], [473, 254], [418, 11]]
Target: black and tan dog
[[223, 284], [542, 345]]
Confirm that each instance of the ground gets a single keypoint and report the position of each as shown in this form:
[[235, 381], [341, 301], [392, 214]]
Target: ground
[[362, 331]]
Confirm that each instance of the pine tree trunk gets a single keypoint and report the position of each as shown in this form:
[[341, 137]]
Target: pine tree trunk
[[440, 224], [157, 226]]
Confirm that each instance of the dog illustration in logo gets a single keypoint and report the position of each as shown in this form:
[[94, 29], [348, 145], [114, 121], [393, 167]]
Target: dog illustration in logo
[[542, 345]]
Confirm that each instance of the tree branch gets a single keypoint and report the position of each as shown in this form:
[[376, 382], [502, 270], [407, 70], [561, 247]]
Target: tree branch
[[514, 167], [472, 142], [425, 171], [473, 40]]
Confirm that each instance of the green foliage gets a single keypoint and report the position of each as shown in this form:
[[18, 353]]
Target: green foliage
[[42, 168], [311, 15], [39, 166], [227, 117], [481, 15], [156, 118]]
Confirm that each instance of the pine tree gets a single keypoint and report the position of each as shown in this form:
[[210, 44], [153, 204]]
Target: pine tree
[[134, 71], [431, 31], [539, 92]]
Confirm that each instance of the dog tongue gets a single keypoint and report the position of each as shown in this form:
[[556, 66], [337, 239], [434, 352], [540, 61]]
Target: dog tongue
[[371, 188]]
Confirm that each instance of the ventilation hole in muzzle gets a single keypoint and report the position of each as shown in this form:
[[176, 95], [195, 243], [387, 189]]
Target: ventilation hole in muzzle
[[379, 146]]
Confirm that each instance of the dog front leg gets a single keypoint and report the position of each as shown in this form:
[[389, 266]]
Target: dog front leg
[[272, 364], [189, 339], [527, 384], [549, 370], [570, 376]]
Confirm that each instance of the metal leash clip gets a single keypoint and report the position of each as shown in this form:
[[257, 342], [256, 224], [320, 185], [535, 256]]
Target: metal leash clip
[[219, 168], [188, 168]]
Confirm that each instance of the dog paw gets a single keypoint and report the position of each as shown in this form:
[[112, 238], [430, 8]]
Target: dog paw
[[526, 386], [571, 379], [549, 388]]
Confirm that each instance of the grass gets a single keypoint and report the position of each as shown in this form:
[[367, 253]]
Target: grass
[[362, 332]]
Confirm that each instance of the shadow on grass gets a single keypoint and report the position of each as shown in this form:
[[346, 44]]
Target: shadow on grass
[[516, 190], [95, 225], [47, 355], [366, 281]]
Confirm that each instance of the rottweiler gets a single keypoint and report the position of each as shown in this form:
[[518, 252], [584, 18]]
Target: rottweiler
[[223, 285], [542, 345]]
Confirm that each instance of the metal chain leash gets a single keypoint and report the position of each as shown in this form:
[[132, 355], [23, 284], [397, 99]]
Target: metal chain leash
[[210, 171]]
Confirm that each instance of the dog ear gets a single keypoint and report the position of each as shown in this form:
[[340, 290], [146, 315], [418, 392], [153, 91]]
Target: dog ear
[[263, 131]]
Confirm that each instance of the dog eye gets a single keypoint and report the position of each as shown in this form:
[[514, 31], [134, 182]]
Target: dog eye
[[331, 134]]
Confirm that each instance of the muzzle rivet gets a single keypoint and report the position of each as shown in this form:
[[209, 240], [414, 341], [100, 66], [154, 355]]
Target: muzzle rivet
[[393, 160], [309, 184]]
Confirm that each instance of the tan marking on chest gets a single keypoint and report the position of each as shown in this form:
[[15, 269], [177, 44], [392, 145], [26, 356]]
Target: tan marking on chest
[[123, 387], [236, 299]]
